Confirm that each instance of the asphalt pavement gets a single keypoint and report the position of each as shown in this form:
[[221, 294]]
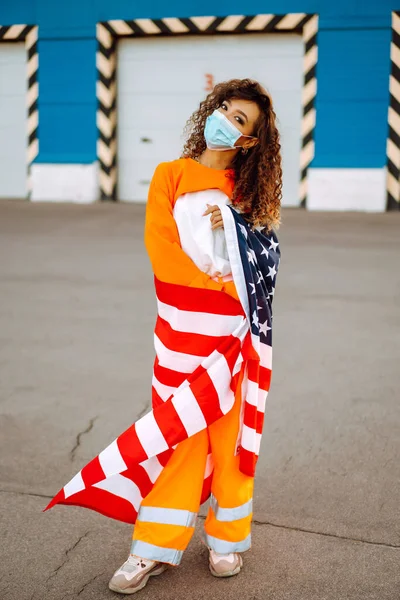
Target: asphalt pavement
[[77, 311]]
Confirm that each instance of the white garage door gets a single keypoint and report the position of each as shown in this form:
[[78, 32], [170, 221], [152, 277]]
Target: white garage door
[[13, 136], [161, 82]]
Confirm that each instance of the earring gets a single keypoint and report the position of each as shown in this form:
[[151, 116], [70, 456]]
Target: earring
[[245, 150]]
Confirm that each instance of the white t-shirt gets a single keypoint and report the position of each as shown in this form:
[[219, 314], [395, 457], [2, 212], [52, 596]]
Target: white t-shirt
[[207, 248]]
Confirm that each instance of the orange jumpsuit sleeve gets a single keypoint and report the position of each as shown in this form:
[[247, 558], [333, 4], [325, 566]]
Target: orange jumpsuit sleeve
[[170, 263]]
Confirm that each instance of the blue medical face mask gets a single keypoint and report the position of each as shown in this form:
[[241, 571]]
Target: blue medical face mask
[[220, 133]]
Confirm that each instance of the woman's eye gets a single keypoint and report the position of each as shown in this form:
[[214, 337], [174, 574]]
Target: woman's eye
[[224, 106], [239, 120]]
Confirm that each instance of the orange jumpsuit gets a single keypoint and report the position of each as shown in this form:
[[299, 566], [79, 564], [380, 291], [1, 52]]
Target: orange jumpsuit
[[167, 515]]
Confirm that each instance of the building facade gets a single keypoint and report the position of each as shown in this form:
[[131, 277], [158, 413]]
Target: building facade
[[94, 94]]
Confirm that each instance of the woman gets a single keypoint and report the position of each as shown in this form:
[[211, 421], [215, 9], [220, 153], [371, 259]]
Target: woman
[[213, 344]]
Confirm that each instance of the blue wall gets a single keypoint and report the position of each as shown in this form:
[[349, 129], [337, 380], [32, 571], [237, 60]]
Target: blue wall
[[353, 70]]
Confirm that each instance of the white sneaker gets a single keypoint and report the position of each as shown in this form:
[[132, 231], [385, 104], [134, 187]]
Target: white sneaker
[[134, 574], [225, 565]]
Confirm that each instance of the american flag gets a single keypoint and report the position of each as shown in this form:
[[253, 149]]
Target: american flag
[[206, 342]]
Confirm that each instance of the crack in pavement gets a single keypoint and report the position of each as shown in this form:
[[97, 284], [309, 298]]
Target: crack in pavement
[[89, 582], [322, 533], [5, 589], [26, 494], [79, 435], [256, 522], [64, 562], [325, 534]]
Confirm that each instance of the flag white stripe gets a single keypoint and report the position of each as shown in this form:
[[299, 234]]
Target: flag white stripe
[[198, 322], [234, 257], [221, 377], [252, 392], [251, 440], [238, 364], [189, 412], [264, 351], [74, 486], [150, 435], [176, 361], [164, 391], [153, 468], [118, 485], [111, 460], [262, 399], [265, 356]]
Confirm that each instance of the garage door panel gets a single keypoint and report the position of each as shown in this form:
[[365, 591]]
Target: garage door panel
[[136, 182], [14, 184], [279, 44], [276, 84], [162, 81], [12, 144], [162, 76], [148, 109], [236, 45], [166, 145], [190, 75], [11, 110], [13, 141], [12, 76]]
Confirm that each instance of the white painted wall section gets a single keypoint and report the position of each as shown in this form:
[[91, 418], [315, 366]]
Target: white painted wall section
[[347, 190], [65, 183]]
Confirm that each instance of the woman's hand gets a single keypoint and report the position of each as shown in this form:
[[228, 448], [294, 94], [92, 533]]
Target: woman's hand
[[216, 216]]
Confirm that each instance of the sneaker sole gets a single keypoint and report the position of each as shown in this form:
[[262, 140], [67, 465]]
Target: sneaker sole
[[142, 584], [228, 573]]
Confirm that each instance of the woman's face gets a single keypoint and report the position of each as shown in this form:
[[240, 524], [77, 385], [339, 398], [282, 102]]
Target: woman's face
[[243, 114]]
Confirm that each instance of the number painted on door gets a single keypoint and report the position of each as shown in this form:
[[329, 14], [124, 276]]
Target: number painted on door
[[209, 82]]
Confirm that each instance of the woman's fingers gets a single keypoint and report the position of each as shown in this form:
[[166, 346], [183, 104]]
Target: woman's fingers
[[210, 209], [216, 216], [217, 224]]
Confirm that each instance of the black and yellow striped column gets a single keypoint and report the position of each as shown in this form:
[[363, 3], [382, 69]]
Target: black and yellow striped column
[[393, 141], [106, 110]]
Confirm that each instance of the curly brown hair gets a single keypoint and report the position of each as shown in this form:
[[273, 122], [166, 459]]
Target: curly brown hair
[[257, 174]]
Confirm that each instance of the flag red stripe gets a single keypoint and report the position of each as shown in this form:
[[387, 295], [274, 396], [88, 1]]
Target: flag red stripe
[[169, 423], [197, 299], [206, 395], [252, 417], [230, 348], [253, 370], [92, 472], [164, 457], [139, 476], [260, 421], [187, 343], [156, 399], [265, 378], [58, 499], [248, 351], [168, 376], [248, 461], [105, 503], [259, 374], [130, 447]]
